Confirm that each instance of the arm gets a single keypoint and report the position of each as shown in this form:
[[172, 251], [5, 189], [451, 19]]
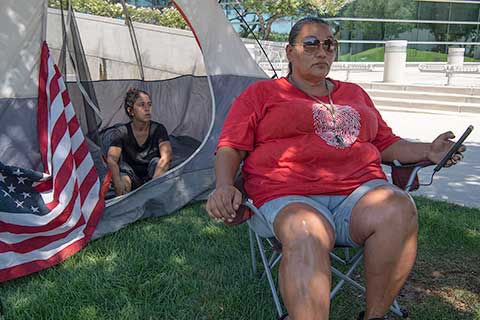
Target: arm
[[113, 158], [411, 152], [165, 158], [226, 199]]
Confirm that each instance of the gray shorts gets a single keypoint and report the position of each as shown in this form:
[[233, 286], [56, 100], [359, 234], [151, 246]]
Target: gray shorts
[[127, 170], [336, 209]]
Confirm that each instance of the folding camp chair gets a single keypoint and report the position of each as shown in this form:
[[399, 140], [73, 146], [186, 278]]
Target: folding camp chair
[[404, 176]]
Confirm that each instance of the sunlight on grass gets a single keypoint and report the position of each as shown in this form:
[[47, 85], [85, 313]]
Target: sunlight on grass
[[178, 260], [22, 302], [107, 262], [213, 230], [461, 299], [88, 312], [472, 233]]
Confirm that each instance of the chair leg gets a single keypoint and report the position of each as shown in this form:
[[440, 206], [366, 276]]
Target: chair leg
[[269, 275], [270, 264], [346, 278], [346, 251], [252, 251], [398, 310]]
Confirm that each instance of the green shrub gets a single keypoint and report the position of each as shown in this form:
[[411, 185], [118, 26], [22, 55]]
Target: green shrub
[[168, 17]]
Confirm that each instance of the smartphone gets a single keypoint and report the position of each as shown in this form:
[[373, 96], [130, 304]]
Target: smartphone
[[454, 148]]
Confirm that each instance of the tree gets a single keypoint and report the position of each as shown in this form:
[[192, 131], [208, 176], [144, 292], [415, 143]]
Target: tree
[[265, 13], [168, 16]]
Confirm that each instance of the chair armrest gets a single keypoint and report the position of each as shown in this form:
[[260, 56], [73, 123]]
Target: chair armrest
[[421, 164], [405, 176]]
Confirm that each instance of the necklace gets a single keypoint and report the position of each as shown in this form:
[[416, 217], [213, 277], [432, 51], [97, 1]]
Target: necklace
[[330, 108]]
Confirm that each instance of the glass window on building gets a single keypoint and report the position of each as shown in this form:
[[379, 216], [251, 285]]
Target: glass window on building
[[150, 3]]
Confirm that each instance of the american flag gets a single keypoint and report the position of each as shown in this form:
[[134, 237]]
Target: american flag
[[46, 217]]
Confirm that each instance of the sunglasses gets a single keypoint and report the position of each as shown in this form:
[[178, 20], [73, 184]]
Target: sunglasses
[[312, 44]]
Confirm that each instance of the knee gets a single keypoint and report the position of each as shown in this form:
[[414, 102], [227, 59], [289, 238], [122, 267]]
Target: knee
[[300, 228], [398, 209]]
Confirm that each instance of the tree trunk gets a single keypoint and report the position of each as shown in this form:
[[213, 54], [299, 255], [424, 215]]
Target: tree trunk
[[261, 25], [268, 27]]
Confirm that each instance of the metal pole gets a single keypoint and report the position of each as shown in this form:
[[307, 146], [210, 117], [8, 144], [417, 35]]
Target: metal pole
[[133, 37]]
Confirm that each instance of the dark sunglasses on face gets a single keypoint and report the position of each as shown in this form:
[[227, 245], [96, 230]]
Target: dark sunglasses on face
[[312, 44]]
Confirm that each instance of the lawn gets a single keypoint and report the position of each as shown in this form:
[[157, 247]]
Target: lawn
[[413, 55], [186, 266]]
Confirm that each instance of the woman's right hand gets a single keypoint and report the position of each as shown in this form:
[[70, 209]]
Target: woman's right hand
[[223, 203]]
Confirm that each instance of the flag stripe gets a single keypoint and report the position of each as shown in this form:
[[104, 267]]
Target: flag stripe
[[42, 118], [59, 130], [36, 264], [54, 89], [80, 154], [73, 126], [13, 258], [66, 99], [87, 184], [62, 177], [35, 243], [44, 186]]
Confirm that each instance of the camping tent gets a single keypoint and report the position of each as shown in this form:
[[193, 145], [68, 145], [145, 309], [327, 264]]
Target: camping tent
[[193, 78]]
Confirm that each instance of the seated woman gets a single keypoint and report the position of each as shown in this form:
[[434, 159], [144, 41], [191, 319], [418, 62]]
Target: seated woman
[[142, 150], [312, 149]]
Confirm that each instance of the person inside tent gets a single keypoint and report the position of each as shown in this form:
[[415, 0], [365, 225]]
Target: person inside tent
[[312, 149], [141, 150]]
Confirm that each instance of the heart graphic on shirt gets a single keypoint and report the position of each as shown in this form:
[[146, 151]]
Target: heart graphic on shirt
[[343, 132]]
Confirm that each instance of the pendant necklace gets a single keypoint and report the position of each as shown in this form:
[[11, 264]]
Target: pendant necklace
[[330, 109]]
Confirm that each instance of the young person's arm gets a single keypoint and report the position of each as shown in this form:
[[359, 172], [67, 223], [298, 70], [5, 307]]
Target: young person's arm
[[113, 159], [165, 158]]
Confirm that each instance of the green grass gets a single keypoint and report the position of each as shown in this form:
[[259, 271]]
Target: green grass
[[185, 266], [413, 55]]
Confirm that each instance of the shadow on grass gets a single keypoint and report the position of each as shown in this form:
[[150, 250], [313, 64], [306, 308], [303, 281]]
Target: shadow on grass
[[185, 266]]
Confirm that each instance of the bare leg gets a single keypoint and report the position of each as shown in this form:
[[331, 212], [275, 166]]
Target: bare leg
[[385, 221], [128, 183], [304, 276]]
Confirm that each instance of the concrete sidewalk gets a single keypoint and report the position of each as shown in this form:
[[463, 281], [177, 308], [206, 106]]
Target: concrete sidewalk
[[412, 76]]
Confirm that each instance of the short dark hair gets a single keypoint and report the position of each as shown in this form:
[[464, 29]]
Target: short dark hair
[[297, 27], [130, 98]]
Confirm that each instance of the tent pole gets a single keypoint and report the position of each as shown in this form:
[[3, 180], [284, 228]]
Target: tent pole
[[239, 15], [133, 37], [44, 21]]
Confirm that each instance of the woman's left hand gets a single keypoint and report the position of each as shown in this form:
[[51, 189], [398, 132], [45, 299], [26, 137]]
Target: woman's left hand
[[440, 146]]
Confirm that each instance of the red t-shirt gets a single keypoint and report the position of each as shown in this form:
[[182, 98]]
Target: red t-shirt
[[292, 142]]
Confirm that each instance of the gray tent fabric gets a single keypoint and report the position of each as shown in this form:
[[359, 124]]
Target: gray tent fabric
[[192, 105], [18, 131]]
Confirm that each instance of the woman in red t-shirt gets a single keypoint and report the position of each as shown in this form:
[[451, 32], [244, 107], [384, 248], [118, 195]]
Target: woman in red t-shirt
[[312, 149]]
